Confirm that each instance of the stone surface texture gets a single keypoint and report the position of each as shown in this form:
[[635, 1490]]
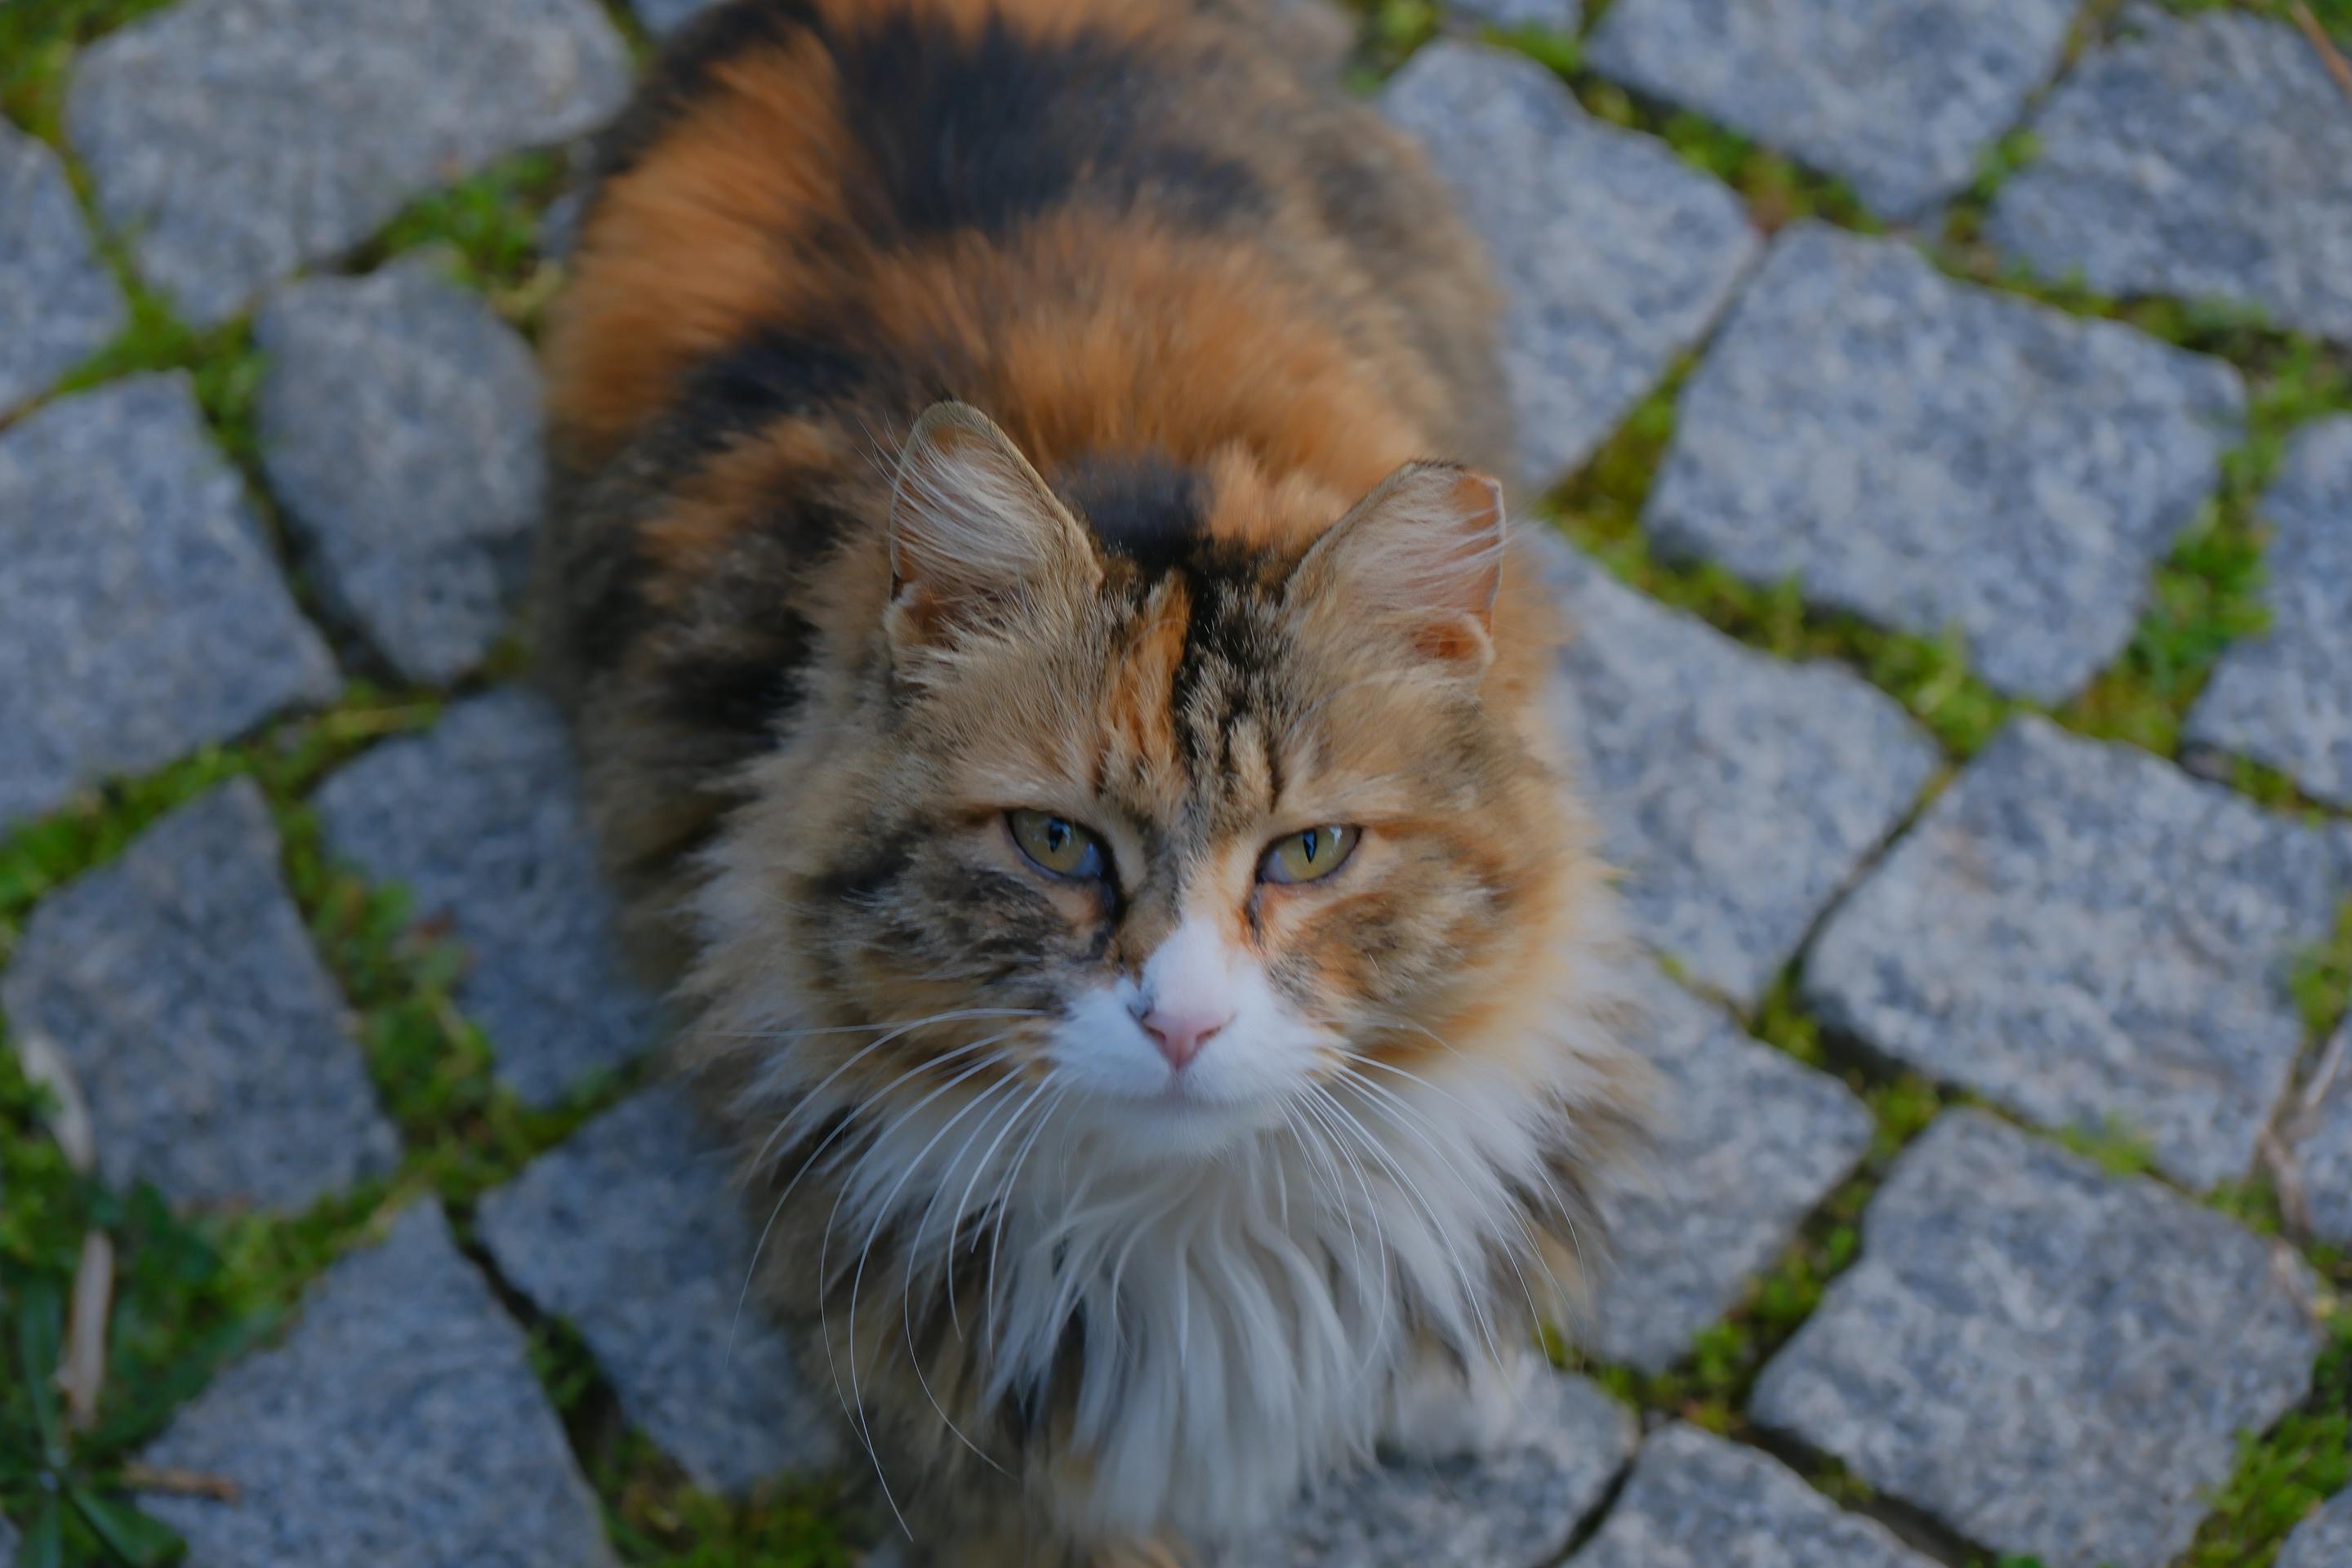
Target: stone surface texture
[[233, 141], [1738, 793], [1696, 1501], [632, 1233], [1931, 455], [1614, 255], [2325, 1149], [400, 427], [1898, 101], [1750, 1142], [480, 819], [397, 1426], [58, 300], [1516, 1507], [141, 616], [1557, 15], [2053, 1361], [2323, 1541], [2095, 940], [2284, 697], [661, 16], [2204, 158], [210, 1044]]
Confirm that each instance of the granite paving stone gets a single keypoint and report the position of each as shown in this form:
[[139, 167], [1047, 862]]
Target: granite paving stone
[[1695, 1501], [2323, 1541], [632, 1233], [59, 301], [1900, 101], [1931, 455], [2094, 938], [398, 1424], [1738, 793], [215, 1053], [1615, 255], [2207, 158], [662, 16], [400, 426], [2325, 1150], [1516, 1507], [2033, 1351], [1557, 15], [233, 141], [141, 615], [1751, 1141], [480, 819], [2284, 697]]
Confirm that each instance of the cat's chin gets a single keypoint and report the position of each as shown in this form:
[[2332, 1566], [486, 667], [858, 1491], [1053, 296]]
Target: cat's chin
[[1147, 1129]]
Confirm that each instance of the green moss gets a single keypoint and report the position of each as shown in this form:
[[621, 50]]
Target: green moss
[[1964, 218], [1389, 33], [659, 1520], [1599, 511], [192, 1293], [1709, 1388], [2285, 1475], [38, 40], [1777, 190], [2321, 980], [2208, 594], [2117, 1149], [489, 224]]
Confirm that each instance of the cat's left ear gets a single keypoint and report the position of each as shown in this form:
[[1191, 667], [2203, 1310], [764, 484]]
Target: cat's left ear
[[1422, 551]]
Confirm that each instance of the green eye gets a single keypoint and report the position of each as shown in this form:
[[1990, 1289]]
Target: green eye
[[1308, 856], [1058, 844]]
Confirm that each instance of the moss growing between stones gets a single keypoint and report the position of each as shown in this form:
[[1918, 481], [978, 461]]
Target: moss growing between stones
[[1709, 1388], [38, 40], [1599, 511], [2285, 1474], [2208, 593], [2321, 980], [193, 1294], [492, 224]]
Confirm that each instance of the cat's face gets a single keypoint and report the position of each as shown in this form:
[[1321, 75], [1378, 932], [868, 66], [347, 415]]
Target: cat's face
[[1180, 828]]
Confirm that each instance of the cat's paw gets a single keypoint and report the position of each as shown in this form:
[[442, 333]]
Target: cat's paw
[[1439, 1410]]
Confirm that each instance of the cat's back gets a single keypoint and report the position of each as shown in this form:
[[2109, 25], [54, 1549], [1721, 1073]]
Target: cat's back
[[1132, 232], [1092, 218]]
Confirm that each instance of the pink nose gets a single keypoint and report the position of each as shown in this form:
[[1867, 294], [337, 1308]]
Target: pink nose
[[1180, 1032]]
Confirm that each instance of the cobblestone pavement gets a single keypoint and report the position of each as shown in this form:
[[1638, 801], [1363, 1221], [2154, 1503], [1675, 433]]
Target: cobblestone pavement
[[1983, 795]]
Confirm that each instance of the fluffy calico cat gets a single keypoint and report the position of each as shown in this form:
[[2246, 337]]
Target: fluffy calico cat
[[1077, 738]]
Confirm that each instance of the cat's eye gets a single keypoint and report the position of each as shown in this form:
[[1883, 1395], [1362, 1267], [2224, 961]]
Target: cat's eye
[[1308, 856], [1058, 844]]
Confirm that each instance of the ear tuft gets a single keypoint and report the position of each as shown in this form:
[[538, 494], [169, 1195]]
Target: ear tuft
[[974, 527], [1424, 551]]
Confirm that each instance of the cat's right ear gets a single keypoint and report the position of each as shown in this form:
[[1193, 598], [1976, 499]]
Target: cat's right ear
[[975, 530]]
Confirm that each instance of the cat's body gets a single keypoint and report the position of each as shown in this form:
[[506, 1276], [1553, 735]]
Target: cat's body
[[984, 783]]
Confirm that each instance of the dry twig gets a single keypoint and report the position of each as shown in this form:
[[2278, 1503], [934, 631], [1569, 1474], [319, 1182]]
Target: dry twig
[[81, 1374], [2329, 54], [180, 1483]]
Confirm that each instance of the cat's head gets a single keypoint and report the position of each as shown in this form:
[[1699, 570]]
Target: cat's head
[[1182, 793]]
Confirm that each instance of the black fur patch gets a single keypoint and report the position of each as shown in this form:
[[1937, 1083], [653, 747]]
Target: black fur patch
[[743, 696], [777, 369], [1152, 511], [879, 865], [979, 132], [988, 131]]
